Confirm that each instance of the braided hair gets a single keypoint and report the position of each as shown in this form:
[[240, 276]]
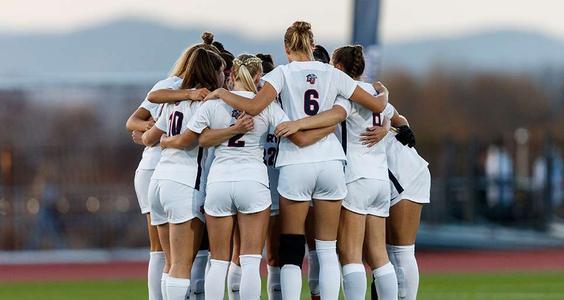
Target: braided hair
[[351, 57]]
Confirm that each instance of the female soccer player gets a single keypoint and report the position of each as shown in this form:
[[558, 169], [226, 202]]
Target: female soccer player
[[308, 92], [410, 182], [174, 191], [364, 211], [140, 121]]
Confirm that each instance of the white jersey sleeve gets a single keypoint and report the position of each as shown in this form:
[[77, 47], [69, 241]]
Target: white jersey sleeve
[[276, 115], [275, 78], [151, 155], [344, 84], [203, 117], [345, 104]]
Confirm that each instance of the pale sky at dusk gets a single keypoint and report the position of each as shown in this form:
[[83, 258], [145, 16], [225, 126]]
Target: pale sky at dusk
[[401, 19]]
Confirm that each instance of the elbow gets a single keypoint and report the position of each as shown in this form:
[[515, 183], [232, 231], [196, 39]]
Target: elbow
[[253, 111], [299, 140], [152, 97], [129, 125]]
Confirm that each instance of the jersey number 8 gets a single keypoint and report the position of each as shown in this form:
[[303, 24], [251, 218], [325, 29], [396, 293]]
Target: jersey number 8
[[311, 106]]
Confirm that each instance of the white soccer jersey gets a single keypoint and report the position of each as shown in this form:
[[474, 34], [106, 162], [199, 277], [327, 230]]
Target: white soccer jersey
[[363, 161], [307, 88], [404, 164], [241, 157], [152, 154], [180, 165]]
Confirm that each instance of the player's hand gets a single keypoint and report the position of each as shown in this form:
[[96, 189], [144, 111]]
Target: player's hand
[[405, 136], [287, 128], [373, 135], [197, 94], [164, 141], [149, 124], [381, 89], [215, 94], [136, 136], [243, 124]]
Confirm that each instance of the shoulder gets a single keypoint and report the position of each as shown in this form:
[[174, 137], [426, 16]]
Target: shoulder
[[168, 83]]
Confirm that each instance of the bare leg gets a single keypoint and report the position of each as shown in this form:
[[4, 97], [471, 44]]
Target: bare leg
[[185, 239], [220, 231], [349, 245], [252, 229], [326, 219], [402, 227]]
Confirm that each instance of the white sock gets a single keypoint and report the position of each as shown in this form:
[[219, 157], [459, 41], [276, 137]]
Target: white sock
[[407, 271], [273, 283], [291, 282], [250, 276], [329, 269], [233, 281], [215, 280], [386, 282], [177, 288], [208, 265], [154, 274], [164, 277], [354, 281], [198, 275], [313, 272]]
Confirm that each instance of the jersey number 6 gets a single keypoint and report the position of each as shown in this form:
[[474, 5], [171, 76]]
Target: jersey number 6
[[311, 106]]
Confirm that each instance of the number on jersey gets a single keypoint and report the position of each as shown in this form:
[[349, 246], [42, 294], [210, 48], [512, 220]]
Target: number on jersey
[[311, 105], [376, 119], [175, 120]]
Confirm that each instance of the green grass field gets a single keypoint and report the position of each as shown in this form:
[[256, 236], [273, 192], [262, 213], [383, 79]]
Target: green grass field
[[436, 287]]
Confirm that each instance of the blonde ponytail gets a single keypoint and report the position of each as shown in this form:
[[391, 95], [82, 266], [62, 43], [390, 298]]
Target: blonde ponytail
[[246, 67], [299, 38]]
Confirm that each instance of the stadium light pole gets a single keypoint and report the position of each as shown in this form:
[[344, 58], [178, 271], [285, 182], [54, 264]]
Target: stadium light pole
[[366, 18]]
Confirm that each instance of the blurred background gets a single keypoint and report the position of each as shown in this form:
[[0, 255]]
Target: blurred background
[[481, 82]]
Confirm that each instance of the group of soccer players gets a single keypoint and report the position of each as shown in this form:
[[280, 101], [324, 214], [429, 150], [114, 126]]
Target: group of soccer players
[[241, 155]]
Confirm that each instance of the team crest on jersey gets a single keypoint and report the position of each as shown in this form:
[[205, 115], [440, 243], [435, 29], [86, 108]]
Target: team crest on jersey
[[235, 113], [311, 78]]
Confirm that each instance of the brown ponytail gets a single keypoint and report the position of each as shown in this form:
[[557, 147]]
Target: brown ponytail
[[351, 58], [179, 67], [202, 70], [299, 38]]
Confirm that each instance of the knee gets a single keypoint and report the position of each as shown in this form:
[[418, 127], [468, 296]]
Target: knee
[[292, 249], [272, 258]]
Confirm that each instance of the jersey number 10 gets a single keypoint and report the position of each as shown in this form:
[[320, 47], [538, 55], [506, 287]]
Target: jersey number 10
[[175, 123]]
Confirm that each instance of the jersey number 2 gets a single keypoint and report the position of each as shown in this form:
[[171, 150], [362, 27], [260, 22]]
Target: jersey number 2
[[235, 142], [311, 106]]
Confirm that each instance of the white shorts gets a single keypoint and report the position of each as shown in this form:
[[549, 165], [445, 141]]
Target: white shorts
[[320, 180], [141, 183], [418, 191], [368, 197], [174, 202], [227, 198]]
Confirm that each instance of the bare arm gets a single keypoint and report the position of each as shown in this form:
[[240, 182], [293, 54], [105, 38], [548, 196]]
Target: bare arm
[[152, 136], [186, 140], [140, 120], [311, 136], [170, 95], [261, 100], [374, 103], [399, 120], [331, 117], [214, 137]]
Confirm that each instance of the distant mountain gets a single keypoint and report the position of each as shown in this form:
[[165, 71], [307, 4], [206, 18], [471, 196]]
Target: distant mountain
[[134, 47], [504, 50]]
